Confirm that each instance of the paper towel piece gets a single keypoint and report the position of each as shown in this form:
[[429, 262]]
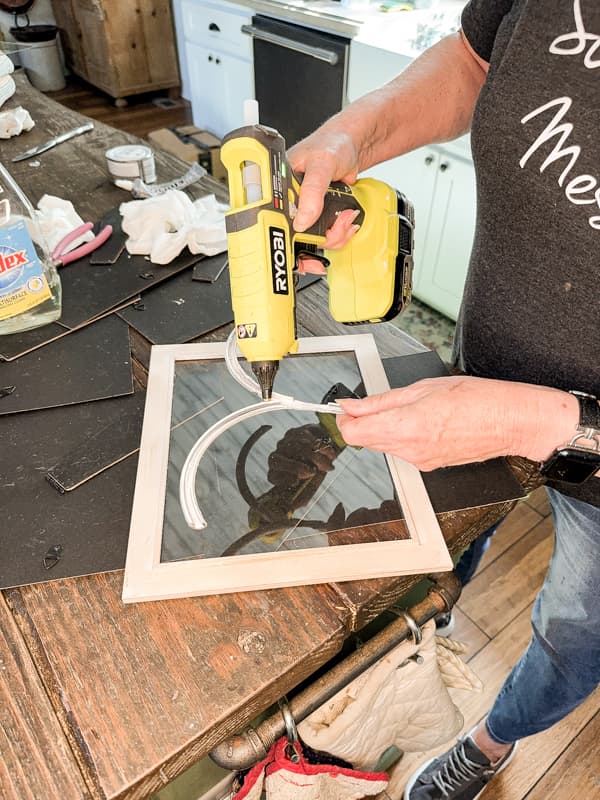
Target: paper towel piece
[[56, 218], [6, 65], [162, 226], [7, 88], [14, 122]]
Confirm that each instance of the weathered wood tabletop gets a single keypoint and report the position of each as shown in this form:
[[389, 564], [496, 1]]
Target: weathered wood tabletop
[[103, 700]]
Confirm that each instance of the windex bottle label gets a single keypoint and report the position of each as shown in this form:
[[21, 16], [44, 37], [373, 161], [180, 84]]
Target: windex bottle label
[[23, 284]]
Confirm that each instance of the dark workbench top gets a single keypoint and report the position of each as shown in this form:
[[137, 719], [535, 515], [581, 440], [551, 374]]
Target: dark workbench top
[[99, 699]]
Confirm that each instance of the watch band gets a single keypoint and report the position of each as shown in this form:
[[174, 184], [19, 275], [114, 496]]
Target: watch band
[[589, 418], [577, 461]]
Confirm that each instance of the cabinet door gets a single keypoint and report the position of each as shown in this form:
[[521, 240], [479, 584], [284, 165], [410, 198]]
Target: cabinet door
[[414, 174], [442, 191], [449, 236], [220, 82]]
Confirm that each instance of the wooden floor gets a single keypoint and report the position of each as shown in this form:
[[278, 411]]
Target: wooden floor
[[139, 117], [493, 612]]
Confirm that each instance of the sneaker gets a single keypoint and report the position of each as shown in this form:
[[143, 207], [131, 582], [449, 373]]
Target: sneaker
[[460, 774], [444, 624]]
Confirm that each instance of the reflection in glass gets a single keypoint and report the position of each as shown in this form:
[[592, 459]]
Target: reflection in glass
[[282, 481]]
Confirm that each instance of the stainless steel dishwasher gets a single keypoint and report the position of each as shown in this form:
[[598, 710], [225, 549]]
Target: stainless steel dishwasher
[[299, 75]]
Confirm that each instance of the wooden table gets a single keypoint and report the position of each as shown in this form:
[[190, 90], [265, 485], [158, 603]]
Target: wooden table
[[103, 700]]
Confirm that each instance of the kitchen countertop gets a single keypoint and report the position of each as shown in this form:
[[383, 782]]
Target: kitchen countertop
[[406, 32], [324, 15]]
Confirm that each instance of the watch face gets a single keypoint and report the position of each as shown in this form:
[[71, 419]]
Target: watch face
[[571, 465]]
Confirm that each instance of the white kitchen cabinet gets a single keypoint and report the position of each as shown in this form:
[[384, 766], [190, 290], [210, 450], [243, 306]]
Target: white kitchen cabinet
[[448, 236], [441, 186], [439, 181], [219, 65], [220, 82]]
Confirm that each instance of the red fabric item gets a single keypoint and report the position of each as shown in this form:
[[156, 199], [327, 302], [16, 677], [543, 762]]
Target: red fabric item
[[277, 760]]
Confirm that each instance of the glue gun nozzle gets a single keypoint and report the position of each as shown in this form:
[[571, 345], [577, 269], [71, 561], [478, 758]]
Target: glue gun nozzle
[[265, 372]]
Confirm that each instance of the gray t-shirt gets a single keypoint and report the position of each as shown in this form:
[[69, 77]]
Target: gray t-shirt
[[531, 308]]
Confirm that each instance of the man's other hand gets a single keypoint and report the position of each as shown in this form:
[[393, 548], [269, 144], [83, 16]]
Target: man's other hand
[[441, 422]]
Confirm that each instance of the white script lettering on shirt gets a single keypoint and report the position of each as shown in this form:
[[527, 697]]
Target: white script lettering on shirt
[[577, 186], [580, 189], [580, 38]]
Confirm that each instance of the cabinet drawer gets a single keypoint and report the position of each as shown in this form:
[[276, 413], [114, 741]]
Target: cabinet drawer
[[217, 25]]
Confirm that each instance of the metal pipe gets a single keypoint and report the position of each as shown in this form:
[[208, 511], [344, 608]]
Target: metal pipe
[[245, 749], [319, 53]]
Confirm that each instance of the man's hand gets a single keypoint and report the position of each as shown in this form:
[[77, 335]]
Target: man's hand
[[326, 155], [430, 101], [323, 157], [337, 236], [440, 422]]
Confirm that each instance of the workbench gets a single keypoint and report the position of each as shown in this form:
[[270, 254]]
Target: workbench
[[103, 700]]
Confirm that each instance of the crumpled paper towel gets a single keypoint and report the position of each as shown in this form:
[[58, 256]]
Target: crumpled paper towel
[[13, 122], [7, 88], [6, 65], [54, 219], [162, 226]]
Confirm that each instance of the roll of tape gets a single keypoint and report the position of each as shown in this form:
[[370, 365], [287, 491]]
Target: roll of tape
[[131, 161]]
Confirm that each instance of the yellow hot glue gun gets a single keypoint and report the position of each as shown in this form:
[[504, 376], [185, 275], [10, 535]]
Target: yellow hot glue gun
[[370, 278]]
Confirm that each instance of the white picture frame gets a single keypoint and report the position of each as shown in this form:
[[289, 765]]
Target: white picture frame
[[147, 578]]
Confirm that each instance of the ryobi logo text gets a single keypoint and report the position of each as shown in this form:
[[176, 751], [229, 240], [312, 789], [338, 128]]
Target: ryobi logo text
[[279, 261]]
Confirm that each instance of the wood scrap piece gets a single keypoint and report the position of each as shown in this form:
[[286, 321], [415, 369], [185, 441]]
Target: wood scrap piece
[[182, 309], [91, 524], [91, 290]]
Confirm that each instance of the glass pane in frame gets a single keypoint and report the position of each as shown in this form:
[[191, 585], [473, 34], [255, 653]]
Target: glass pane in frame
[[285, 501], [280, 481]]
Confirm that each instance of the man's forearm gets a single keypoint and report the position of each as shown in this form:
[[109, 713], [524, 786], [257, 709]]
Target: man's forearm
[[431, 101]]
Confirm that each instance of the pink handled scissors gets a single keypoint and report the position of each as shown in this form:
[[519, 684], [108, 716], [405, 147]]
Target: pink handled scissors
[[84, 249]]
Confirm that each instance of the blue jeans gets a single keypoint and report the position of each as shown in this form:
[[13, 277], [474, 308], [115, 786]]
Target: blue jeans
[[467, 564], [561, 666]]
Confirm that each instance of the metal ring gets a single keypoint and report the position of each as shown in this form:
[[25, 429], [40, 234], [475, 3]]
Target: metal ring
[[291, 732], [414, 629]]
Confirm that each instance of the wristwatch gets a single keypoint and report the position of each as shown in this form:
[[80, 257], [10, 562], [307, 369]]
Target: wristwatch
[[578, 460]]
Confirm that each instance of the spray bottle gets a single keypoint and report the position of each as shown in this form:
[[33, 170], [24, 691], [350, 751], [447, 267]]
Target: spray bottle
[[30, 291]]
